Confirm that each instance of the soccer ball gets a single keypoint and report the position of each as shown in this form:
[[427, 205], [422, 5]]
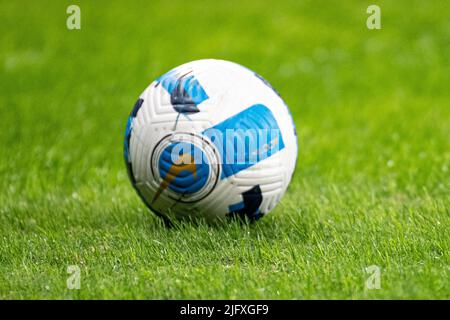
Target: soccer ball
[[210, 139]]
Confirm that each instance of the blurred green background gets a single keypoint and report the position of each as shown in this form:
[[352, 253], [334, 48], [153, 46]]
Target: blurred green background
[[372, 184]]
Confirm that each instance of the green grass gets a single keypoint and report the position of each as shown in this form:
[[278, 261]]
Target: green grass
[[372, 185]]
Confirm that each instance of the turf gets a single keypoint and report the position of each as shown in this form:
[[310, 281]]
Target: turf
[[372, 182]]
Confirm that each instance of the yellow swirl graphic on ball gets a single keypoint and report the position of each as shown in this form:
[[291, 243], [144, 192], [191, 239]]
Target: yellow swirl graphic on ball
[[184, 162]]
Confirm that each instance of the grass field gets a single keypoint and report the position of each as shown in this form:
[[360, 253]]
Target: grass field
[[372, 186]]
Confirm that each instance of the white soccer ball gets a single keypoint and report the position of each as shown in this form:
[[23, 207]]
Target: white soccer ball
[[210, 139]]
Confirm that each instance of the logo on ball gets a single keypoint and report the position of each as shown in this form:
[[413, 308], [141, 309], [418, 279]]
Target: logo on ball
[[184, 169], [185, 166]]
